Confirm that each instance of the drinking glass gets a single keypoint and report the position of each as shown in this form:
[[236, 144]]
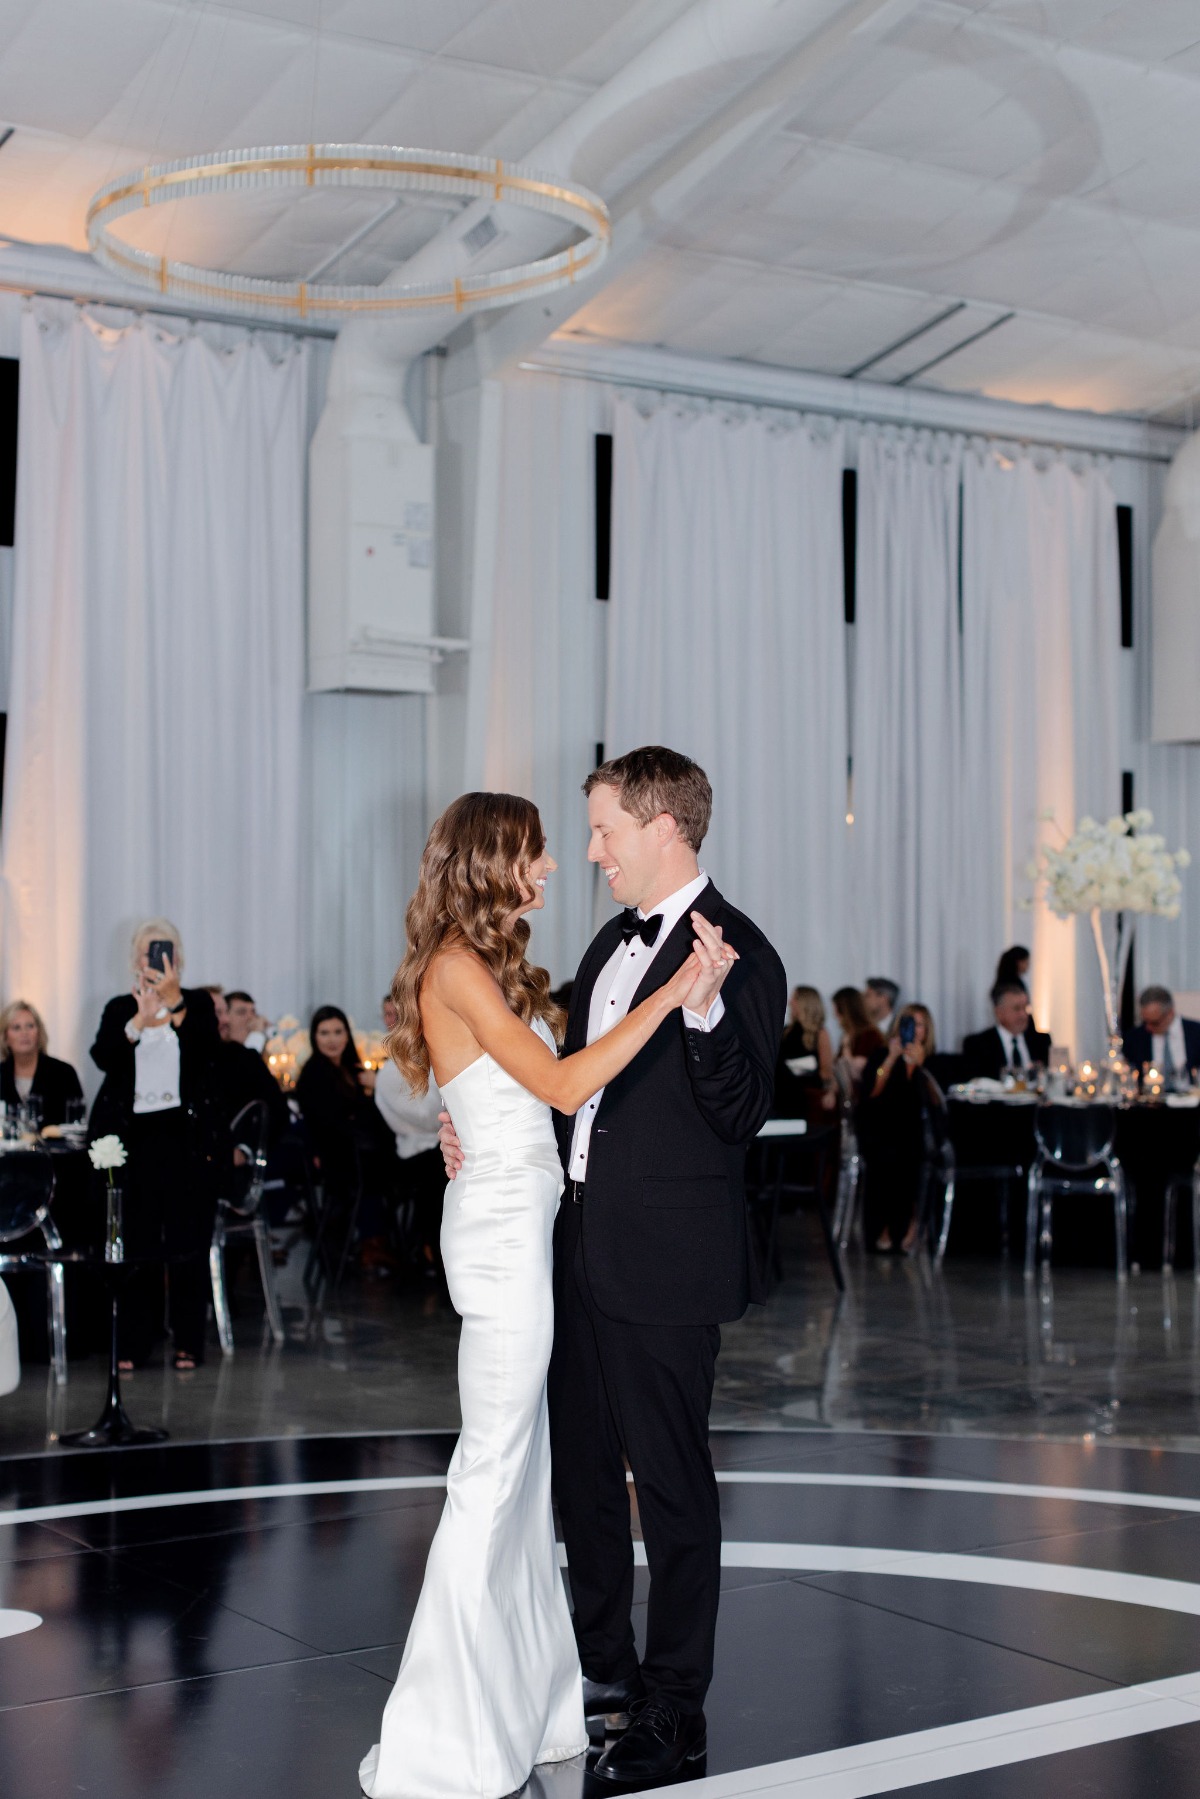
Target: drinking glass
[[29, 1114], [75, 1119]]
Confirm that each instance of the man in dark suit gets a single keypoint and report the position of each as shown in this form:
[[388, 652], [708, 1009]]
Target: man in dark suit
[[1011, 1042], [1162, 1039], [651, 1257]]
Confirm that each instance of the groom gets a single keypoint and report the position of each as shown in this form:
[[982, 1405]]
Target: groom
[[650, 1258]]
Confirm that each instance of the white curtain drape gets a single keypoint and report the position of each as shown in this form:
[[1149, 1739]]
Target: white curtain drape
[[1041, 637], [535, 705], [727, 641], [907, 724], [366, 830], [154, 738]]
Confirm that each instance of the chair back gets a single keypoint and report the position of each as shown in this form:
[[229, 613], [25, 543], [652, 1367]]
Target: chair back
[[1075, 1136], [26, 1189], [251, 1129]]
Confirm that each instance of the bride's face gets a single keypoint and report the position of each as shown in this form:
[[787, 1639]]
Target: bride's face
[[531, 878]]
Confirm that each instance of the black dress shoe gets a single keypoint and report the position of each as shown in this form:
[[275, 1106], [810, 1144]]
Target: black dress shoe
[[660, 1742], [606, 1703]]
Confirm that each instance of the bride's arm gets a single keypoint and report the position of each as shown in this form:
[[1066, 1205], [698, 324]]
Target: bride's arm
[[466, 987]]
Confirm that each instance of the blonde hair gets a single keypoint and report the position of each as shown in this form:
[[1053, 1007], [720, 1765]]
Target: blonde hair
[[6, 1017], [468, 888], [809, 1013], [147, 932]]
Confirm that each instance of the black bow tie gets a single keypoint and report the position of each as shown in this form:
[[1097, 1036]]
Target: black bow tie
[[645, 928]]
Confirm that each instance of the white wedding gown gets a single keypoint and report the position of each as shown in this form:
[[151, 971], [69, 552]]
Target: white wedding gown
[[490, 1684]]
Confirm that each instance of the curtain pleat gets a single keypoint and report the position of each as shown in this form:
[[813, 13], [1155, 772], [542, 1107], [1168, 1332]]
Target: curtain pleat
[[155, 727]]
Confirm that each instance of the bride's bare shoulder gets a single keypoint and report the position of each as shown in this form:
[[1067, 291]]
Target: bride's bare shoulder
[[452, 969]]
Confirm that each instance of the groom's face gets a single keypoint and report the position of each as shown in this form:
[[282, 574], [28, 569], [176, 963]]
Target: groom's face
[[629, 854]]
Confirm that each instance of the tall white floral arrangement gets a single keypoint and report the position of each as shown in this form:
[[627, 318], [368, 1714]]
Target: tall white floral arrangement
[[1122, 867]]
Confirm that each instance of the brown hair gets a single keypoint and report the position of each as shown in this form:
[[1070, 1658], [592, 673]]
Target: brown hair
[[653, 780], [6, 1017], [467, 890], [914, 1010], [851, 1012]]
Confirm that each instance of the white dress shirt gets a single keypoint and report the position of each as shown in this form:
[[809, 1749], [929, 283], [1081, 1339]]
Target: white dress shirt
[[612, 996], [1016, 1055], [1171, 1041], [156, 1069], [413, 1118]]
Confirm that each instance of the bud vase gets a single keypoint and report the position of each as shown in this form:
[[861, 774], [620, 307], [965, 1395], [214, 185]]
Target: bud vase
[[114, 1232]]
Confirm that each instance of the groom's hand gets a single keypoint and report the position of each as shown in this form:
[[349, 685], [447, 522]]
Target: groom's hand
[[715, 958], [451, 1148]]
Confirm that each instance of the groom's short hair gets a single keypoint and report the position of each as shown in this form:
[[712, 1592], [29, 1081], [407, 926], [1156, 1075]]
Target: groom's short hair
[[654, 780]]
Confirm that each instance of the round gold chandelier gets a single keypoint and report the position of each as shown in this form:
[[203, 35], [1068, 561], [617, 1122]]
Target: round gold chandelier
[[432, 173]]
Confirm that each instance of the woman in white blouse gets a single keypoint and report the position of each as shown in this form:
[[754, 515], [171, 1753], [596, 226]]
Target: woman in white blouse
[[162, 1095]]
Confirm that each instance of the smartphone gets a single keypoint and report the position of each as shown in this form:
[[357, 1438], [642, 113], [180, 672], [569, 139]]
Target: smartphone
[[908, 1030], [161, 951]]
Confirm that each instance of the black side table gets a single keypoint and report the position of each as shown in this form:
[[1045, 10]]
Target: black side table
[[114, 1428]]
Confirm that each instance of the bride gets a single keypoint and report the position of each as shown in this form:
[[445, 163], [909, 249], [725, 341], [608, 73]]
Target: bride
[[489, 1683]]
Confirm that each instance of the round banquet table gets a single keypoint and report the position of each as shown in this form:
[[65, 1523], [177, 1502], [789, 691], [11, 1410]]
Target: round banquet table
[[1154, 1142]]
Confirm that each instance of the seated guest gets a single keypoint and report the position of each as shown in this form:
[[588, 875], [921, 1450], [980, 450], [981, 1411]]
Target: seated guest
[[349, 1137], [859, 1035], [245, 1075], [880, 996], [246, 1023], [163, 1095], [1162, 1039], [1012, 1042], [894, 1121], [804, 1080], [413, 1119], [26, 1071], [1014, 966]]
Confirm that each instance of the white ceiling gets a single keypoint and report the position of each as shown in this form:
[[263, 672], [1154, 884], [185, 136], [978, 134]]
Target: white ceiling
[[1025, 167]]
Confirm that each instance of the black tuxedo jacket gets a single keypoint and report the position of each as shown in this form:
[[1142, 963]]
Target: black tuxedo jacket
[[984, 1057], [54, 1083], [664, 1221], [1139, 1050]]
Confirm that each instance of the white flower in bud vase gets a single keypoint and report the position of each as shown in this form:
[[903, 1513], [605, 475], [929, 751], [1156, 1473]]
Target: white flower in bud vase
[[107, 1153]]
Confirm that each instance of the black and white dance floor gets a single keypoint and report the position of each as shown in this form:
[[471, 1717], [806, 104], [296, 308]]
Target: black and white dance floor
[[971, 1618]]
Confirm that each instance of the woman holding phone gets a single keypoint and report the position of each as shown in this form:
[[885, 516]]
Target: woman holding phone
[[158, 1046], [897, 1101]]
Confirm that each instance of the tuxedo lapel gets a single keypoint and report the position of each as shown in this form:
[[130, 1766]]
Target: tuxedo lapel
[[594, 959]]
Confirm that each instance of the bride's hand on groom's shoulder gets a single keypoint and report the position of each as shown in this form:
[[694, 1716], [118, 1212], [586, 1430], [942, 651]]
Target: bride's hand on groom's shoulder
[[451, 1148]]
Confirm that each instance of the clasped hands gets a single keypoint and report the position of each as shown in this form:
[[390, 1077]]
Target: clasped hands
[[713, 958]]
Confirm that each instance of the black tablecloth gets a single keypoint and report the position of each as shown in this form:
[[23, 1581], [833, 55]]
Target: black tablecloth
[[1153, 1143]]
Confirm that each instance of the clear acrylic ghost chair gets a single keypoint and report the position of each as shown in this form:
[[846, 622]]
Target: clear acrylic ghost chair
[[26, 1190], [243, 1217], [1074, 1154]]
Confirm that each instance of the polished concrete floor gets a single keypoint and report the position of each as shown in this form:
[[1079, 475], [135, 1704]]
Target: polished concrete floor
[[969, 1618], [961, 1518], [969, 1350]]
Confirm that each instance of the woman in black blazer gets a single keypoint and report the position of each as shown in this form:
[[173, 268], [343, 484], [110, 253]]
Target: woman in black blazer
[[163, 1096], [26, 1071], [349, 1137]]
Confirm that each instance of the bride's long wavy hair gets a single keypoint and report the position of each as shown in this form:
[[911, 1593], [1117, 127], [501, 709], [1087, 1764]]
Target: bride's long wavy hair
[[467, 891]]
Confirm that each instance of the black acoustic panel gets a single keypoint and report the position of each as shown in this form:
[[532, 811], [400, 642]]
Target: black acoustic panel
[[849, 530], [1125, 565], [9, 379], [604, 479]]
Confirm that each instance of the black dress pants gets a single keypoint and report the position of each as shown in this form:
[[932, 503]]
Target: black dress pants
[[168, 1211], [640, 1391]]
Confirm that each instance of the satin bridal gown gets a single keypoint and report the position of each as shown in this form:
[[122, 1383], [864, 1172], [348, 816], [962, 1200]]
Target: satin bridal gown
[[489, 1684]]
